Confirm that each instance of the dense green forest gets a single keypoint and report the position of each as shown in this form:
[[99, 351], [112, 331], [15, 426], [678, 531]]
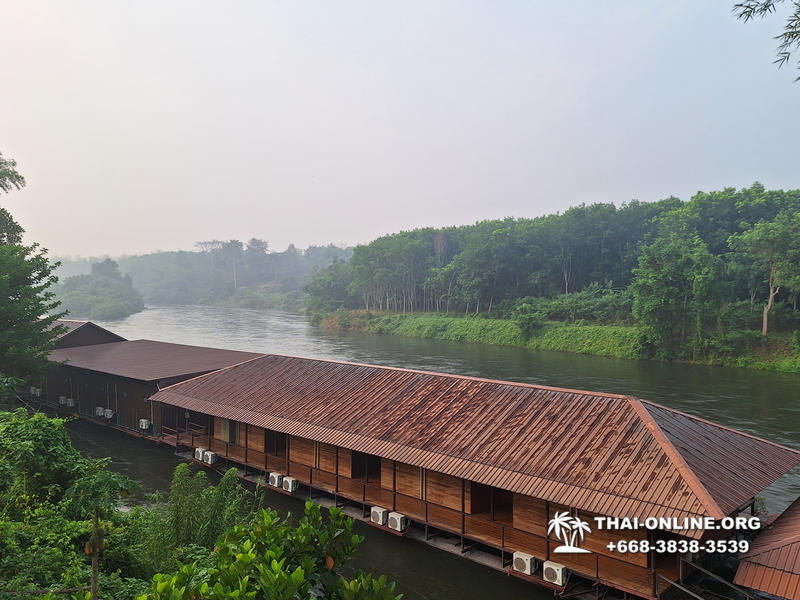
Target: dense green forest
[[699, 278], [104, 294]]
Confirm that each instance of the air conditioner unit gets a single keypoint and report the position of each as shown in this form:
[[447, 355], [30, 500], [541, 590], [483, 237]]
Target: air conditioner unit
[[144, 423], [379, 515], [62, 400], [276, 479], [108, 413], [397, 521], [198, 453], [524, 563], [554, 572], [209, 457], [290, 484], [99, 410], [70, 402]]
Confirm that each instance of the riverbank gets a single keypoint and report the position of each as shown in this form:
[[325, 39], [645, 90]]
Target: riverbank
[[776, 353]]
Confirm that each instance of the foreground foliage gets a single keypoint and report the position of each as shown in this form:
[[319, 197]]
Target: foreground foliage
[[60, 513], [270, 558]]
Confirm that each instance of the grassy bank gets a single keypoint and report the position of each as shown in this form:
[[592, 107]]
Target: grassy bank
[[778, 353]]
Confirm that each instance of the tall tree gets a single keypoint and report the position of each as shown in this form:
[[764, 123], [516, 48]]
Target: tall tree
[[27, 306], [775, 246]]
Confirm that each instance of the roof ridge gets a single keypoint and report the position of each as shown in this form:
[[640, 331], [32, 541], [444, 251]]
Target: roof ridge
[[677, 459], [718, 426], [453, 376]]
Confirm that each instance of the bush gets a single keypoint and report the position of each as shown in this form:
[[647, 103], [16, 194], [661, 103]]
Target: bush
[[272, 559]]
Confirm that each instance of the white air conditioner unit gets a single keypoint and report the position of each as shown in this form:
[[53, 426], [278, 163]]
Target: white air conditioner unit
[[62, 400], [144, 423], [198, 453], [99, 410], [379, 515], [554, 572], [108, 413], [276, 479], [209, 457], [524, 563], [290, 484], [38, 392], [70, 402], [397, 521]]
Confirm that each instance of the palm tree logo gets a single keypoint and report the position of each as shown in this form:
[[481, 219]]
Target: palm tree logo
[[569, 530]]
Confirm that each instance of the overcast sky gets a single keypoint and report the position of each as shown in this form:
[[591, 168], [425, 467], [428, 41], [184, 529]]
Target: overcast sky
[[151, 125]]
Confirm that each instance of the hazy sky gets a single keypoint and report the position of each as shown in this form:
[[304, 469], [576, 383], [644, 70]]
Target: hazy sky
[[151, 125]]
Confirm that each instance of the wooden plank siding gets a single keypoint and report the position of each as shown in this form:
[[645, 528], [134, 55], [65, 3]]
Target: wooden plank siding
[[302, 451], [425, 495]]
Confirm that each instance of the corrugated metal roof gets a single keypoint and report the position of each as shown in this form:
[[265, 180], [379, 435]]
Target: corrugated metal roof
[[69, 324], [605, 453], [148, 360], [73, 326], [773, 563]]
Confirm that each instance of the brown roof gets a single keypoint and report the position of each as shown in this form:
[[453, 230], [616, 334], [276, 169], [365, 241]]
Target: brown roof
[[75, 329], [147, 360], [773, 563], [69, 324], [604, 453]]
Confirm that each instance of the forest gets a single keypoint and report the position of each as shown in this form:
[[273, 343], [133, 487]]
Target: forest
[[103, 294], [702, 277], [226, 273]]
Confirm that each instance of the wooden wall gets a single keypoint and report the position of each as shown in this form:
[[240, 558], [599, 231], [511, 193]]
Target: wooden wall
[[443, 490], [302, 451], [327, 458], [255, 438], [421, 493], [125, 397]]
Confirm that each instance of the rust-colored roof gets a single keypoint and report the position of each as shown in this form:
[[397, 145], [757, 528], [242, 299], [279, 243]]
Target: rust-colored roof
[[605, 453], [69, 324], [78, 332], [773, 563], [148, 360]]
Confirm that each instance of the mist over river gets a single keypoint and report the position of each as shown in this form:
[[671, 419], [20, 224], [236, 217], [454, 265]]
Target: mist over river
[[762, 403]]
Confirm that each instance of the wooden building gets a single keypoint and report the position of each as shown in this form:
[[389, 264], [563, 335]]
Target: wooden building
[[490, 462], [83, 333], [772, 566], [113, 381]]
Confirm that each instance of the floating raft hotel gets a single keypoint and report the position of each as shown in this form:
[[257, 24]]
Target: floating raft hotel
[[484, 464]]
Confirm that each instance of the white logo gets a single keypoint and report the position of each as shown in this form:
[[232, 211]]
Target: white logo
[[569, 530]]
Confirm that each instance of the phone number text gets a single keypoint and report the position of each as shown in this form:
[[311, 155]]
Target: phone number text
[[678, 546]]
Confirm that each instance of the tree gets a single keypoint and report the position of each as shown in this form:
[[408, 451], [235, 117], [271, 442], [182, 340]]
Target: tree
[[789, 38], [27, 309], [9, 177], [775, 247], [673, 283], [27, 306]]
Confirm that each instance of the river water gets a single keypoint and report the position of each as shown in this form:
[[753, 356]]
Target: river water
[[761, 403]]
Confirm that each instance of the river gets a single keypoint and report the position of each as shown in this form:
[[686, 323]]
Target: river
[[765, 404]]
